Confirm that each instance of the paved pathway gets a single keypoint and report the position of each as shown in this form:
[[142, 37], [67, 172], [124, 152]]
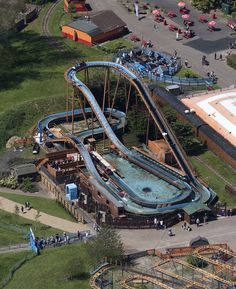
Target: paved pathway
[[164, 40], [49, 220], [220, 231]]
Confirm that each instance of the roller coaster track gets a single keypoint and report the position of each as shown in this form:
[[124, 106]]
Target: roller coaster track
[[231, 267], [205, 273], [124, 283], [178, 277], [153, 280], [101, 271]]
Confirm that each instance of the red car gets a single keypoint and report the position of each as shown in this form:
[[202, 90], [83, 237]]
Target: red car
[[231, 24]]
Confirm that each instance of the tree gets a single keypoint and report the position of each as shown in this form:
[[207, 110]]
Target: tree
[[206, 5], [106, 244], [8, 14], [137, 121], [197, 262], [76, 268]]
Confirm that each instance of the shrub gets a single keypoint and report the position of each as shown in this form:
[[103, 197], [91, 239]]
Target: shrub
[[231, 60], [197, 262], [27, 185]]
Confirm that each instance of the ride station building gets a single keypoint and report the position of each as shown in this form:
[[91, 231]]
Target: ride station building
[[95, 28]]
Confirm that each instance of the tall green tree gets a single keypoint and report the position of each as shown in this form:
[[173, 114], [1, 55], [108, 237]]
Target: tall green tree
[[8, 14], [106, 244], [137, 120], [9, 11]]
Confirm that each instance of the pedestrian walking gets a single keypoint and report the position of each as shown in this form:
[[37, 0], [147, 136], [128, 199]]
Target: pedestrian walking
[[215, 56], [203, 59], [184, 226], [179, 217], [197, 222], [177, 35], [22, 210], [170, 233], [186, 63], [155, 223], [161, 224], [221, 57]]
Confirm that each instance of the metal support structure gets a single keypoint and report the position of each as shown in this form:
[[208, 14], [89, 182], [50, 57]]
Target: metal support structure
[[105, 89], [72, 108], [81, 103], [67, 103], [148, 125], [114, 97], [127, 103]]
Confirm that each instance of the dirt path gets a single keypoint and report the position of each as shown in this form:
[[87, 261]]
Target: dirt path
[[49, 220]]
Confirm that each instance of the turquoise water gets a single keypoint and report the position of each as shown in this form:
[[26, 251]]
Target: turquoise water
[[144, 184]]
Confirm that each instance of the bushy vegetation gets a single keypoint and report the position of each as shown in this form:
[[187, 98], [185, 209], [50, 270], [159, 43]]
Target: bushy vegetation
[[137, 122], [183, 131], [27, 185], [106, 244], [9, 182], [197, 262], [231, 60], [206, 5]]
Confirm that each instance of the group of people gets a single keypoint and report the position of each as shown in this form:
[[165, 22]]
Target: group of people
[[54, 241], [26, 207], [186, 227], [158, 224]]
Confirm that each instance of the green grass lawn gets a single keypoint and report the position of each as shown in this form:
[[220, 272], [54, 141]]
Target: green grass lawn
[[14, 229], [214, 181], [44, 205], [7, 261], [49, 270]]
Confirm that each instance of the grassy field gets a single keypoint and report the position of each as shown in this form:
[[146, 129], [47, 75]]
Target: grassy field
[[7, 261], [50, 270], [44, 205], [14, 229], [217, 184]]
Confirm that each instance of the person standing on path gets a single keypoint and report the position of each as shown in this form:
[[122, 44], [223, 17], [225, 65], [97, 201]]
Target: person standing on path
[[186, 63], [215, 56], [197, 222]]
